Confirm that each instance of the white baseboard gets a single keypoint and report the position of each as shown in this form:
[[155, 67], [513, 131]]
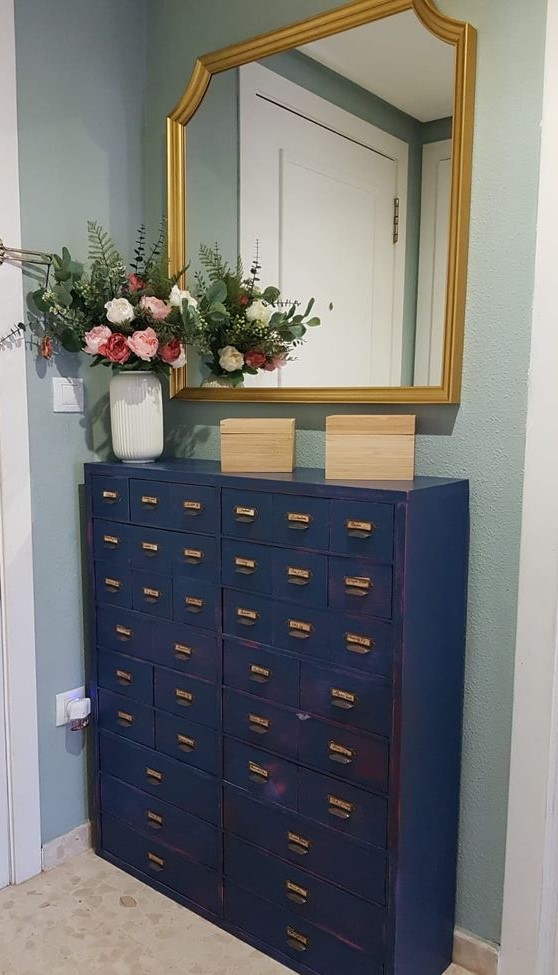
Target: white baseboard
[[63, 848], [477, 956]]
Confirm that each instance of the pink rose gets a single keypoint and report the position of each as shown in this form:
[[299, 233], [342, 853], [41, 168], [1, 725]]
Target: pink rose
[[170, 352], [96, 337], [277, 363], [254, 359], [144, 343], [115, 348], [157, 308], [135, 282]]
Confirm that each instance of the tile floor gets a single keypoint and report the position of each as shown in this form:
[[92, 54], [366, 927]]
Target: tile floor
[[89, 916]]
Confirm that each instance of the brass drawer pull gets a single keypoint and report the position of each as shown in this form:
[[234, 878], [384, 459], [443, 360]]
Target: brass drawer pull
[[113, 584], [259, 725], [257, 772], [149, 500], [155, 862], [154, 775], [184, 697], [298, 844], [193, 604], [246, 617], [181, 651], [245, 567], [343, 699], [111, 540], [185, 743], [300, 630], [154, 820], [339, 807], [340, 753], [193, 507], [111, 496], [297, 940], [298, 521], [357, 643], [124, 676], [298, 577], [193, 555], [150, 547], [152, 595], [125, 719], [123, 632], [357, 585], [260, 675], [241, 513], [359, 529], [299, 895]]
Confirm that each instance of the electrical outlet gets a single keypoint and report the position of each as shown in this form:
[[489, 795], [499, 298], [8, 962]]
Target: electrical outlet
[[62, 701]]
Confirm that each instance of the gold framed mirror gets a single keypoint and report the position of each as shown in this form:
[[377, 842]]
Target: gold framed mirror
[[397, 60]]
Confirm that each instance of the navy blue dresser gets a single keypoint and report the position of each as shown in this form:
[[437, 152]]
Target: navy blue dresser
[[277, 683]]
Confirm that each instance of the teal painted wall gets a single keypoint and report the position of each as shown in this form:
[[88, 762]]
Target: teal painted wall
[[484, 437]]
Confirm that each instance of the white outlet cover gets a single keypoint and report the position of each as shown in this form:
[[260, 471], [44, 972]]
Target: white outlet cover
[[67, 395], [61, 702]]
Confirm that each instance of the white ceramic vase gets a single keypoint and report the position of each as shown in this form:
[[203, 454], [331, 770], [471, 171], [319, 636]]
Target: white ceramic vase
[[136, 417]]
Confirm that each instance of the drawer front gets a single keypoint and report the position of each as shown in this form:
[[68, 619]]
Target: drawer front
[[113, 585], [362, 528], [247, 616], [300, 577], [110, 497], [267, 675], [301, 629], [246, 515], [361, 702], [195, 602], [193, 699], [151, 549], [246, 566], [359, 868], [359, 587], [127, 718], [161, 777], [149, 503], [111, 542], [265, 776], [193, 509], [310, 899], [184, 648], [352, 755], [300, 941], [195, 556], [260, 723], [365, 644], [194, 881], [126, 675], [167, 824], [152, 593], [192, 743], [300, 522], [119, 629], [344, 807]]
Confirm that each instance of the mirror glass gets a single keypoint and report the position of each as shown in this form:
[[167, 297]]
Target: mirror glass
[[335, 158]]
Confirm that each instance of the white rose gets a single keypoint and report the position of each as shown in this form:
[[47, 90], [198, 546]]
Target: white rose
[[181, 361], [230, 359], [259, 311], [119, 311], [177, 296]]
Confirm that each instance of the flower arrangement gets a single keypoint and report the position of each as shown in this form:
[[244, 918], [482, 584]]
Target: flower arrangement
[[242, 327]]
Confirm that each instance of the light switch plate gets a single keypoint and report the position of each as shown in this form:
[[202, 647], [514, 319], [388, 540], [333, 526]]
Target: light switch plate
[[67, 395], [61, 702]]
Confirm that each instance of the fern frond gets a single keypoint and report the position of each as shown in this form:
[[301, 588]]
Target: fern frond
[[101, 247]]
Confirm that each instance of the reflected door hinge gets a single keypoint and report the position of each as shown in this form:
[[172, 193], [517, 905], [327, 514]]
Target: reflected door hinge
[[396, 219]]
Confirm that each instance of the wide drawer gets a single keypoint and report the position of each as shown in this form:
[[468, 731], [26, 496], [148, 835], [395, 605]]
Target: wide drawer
[[152, 593], [246, 514], [126, 675], [246, 566], [167, 824], [192, 743], [260, 723], [193, 699], [113, 585], [352, 755], [361, 702], [161, 777], [182, 507], [176, 871], [195, 603], [112, 542], [343, 807], [270, 676], [125, 717], [123, 630], [265, 776], [247, 616], [362, 528], [359, 587], [110, 497], [300, 576], [300, 522]]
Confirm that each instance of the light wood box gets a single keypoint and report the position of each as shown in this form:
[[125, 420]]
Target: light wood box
[[371, 448], [254, 446]]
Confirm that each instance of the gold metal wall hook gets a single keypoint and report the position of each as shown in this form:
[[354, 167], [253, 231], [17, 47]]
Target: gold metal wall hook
[[23, 255]]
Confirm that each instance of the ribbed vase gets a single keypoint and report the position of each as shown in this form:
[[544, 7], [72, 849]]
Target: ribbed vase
[[136, 417]]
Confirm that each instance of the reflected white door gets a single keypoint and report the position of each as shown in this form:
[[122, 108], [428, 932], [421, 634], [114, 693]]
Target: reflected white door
[[4, 820]]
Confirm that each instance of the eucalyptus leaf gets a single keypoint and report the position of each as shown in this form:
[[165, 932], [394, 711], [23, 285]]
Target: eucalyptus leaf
[[291, 311], [36, 300], [309, 307], [312, 322], [276, 318], [216, 292], [271, 295], [70, 341], [297, 331], [219, 306]]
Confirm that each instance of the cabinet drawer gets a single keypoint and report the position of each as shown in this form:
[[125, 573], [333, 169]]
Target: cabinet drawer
[[365, 644], [112, 542], [300, 522], [344, 807], [161, 777], [300, 577], [184, 648], [246, 566], [363, 759], [195, 602], [301, 629], [264, 775], [300, 941], [313, 900], [176, 871], [246, 514], [194, 556], [126, 675], [360, 587], [167, 824], [193, 508], [359, 868], [361, 702], [149, 503], [110, 497], [247, 616], [120, 629], [151, 549], [193, 699], [152, 593], [113, 585], [362, 528], [187, 741], [260, 723], [270, 676], [127, 718]]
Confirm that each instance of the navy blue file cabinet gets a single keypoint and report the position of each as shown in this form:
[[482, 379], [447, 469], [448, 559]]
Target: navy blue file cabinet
[[277, 682]]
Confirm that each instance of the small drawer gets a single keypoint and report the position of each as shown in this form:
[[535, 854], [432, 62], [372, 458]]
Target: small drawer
[[246, 514], [154, 817], [185, 648], [261, 723], [358, 867], [366, 644], [361, 702], [267, 675], [360, 587], [301, 629], [300, 522], [344, 807], [195, 602], [120, 629], [194, 556], [151, 549], [247, 616], [264, 775], [193, 509], [363, 759], [113, 585], [126, 675], [300, 577], [362, 528], [152, 593], [302, 942], [187, 741], [161, 777], [246, 566], [110, 497], [130, 719], [111, 542], [149, 503], [177, 872], [196, 700], [313, 900]]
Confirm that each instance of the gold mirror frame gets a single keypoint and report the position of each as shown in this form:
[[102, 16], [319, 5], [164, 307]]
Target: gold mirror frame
[[463, 38]]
